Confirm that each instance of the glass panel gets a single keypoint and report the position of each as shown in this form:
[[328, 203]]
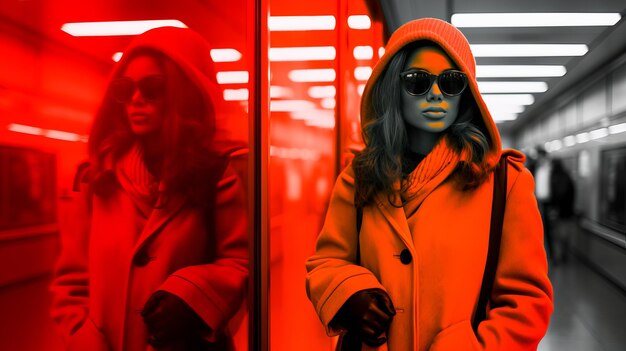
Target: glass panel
[[314, 126], [613, 191], [150, 237]]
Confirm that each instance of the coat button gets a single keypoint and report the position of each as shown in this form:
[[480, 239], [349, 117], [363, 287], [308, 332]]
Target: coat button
[[141, 259], [405, 256]]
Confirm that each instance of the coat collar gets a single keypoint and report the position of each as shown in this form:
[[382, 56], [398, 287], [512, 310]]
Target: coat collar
[[159, 217], [396, 218]]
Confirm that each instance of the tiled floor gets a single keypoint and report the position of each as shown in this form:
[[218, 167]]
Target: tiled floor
[[589, 314]]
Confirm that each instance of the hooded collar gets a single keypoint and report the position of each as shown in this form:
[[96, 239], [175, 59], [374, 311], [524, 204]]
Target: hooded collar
[[454, 43]]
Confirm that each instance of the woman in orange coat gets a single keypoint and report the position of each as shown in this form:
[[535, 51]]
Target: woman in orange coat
[[425, 185], [156, 256]]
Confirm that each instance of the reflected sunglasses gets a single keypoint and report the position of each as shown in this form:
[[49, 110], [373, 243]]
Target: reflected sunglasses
[[418, 82], [151, 88]]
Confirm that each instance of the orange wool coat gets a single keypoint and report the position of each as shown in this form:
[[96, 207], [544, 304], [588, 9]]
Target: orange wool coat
[[435, 295], [446, 233]]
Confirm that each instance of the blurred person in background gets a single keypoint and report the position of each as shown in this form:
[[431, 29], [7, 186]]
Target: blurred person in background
[[157, 254], [408, 275], [562, 215], [543, 169]]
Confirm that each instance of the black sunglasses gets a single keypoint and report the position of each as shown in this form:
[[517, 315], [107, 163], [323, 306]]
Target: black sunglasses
[[418, 82], [151, 88]]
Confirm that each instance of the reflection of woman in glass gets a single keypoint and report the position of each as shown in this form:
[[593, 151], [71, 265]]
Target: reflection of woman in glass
[[411, 277], [157, 256]]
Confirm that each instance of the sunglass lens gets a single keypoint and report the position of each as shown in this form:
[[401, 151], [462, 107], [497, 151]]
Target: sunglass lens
[[122, 89], [417, 83], [452, 83], [151, 87]]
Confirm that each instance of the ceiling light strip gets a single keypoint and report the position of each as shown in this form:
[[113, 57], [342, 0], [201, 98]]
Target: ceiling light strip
[[555, 19], [232, 77], [512, 87], [313, 75], [310, 53], [225, 55], [515, 71], [301, 23], [359, 22], [513, 99], [528, 50], [114, 28]]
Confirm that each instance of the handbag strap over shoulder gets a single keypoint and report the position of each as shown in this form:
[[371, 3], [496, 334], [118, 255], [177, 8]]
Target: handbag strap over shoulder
[[495, 237], [359, 221]]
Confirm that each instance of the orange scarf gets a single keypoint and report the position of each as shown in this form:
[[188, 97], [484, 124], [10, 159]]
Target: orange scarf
[[429, 173]]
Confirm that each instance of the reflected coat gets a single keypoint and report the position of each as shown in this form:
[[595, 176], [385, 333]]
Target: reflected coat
[[112, 260]]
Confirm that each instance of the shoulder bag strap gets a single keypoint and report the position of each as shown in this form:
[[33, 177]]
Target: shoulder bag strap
[[359, 220], [495, 236]]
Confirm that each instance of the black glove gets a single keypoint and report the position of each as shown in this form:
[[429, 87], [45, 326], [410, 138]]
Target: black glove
[[368, 314], [169, 319]]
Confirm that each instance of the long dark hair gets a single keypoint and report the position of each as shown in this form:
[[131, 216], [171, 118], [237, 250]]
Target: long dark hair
[[189, 162], [380, 164]]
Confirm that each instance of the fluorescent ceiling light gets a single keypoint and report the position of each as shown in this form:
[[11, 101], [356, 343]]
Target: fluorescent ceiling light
[[316, 118], [360, 88], [359, 22], [515, 99], [582, 137], [363, 52], [236, 94], [494, 71], [225, 55], [569, 140], [495, 108], [562, 19], [117, 56], [328, 103], [312, 114], [553, 145], [528, 50], [512, 87], [296, 23], [321, 123], [501, 117], [20, 128], [280, 92], [290, 105], [313, 75], [232, 77], [598, 133], [294, 153], [48, 133], [618, 128], [310, 53], [362, 72], [96, 29], [60, 135], [319, 92]]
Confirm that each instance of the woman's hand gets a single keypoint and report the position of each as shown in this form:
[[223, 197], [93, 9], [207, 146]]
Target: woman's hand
[[367, 313], [168, 319]]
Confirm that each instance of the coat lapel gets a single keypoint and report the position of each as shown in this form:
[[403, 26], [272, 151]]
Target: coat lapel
[[159, 217], [396, 218]]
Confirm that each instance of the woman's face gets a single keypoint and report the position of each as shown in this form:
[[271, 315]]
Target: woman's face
[[432, 111], [144, 98]]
